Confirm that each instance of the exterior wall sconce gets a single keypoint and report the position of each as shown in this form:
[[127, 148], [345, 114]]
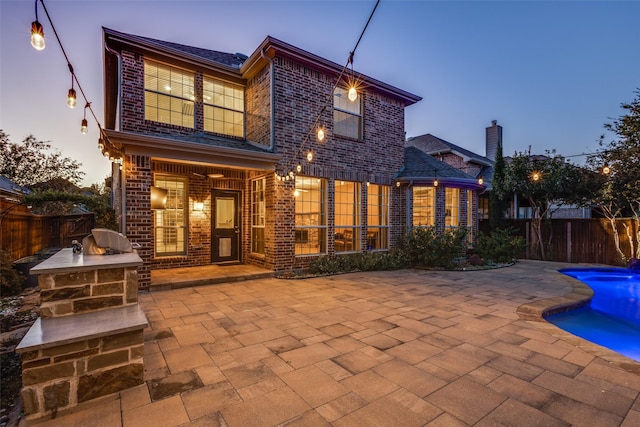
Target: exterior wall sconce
[[158, 198], [198, 206]]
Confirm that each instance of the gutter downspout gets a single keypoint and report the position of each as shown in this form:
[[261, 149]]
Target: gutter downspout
[[122, 175], [272, 136]]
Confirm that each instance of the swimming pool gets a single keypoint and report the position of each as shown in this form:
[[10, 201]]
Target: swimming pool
[[612, 319]]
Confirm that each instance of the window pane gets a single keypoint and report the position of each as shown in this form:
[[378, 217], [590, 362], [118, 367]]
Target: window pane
[[452, 207], [223, 107], [424, 213], [311, 226], [257, 215], [347, 216], [347, 115], [377, 217], [169, 94], [170, 224]]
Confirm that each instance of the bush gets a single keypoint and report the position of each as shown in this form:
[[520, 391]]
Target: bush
[[425, 247], [369, 261], [501, 246], [10, 279]]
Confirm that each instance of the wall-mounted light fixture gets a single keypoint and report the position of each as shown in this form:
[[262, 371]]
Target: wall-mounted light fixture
[[158, 198], [198, 206]]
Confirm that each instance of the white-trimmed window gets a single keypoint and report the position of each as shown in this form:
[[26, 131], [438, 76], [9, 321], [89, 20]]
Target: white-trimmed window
[[223, 107], [377, 217], [347, 115], [346, 222], [170, 223], [452, 207], [470, 236], [311, 218], [257, 215], [168, 95], [424, 206]]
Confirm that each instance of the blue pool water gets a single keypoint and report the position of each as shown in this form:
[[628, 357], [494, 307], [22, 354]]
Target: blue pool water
[[612, 319]]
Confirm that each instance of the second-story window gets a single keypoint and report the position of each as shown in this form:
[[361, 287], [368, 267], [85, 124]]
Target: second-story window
[[223, 107], [168, 95], [347, 115]]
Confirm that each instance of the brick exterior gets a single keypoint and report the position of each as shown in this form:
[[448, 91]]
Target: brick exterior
[[300, 92]]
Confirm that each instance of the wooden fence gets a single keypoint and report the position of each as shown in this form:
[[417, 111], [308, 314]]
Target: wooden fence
[[575, 240], [24, 234]]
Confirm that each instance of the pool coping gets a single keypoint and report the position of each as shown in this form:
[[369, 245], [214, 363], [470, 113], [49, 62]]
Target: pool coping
[[579, 296]]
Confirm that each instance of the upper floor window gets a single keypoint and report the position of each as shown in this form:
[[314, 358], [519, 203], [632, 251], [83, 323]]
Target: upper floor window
[[347, 216], [347, 115], [377, 217], [168, 95], [424, 206], [223, 107]]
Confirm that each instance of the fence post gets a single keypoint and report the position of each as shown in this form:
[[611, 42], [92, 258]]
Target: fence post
[[569, 241]]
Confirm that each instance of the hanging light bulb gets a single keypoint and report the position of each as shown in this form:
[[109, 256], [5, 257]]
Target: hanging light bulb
[[296, 193], [606, 170], [435, 182], [71, 98], [84, 129], [353, 94], [291, 174], [480, 180], [299, 168], [320, 134], [535, 176], [37, 35], [100, 144], [309, 156]]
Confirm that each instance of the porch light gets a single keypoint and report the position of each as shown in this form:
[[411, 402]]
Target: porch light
[[435, 176], [435, 182], [296, 193], [397, 183], [37, 33], [198, 206], [216, 175], [480, 180]]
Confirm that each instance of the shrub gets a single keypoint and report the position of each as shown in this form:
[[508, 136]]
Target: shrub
[[428, 248], [10, 279], [501, 246], [368, 261]]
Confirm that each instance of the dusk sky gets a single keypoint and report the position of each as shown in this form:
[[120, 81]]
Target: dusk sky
[[551, 73]]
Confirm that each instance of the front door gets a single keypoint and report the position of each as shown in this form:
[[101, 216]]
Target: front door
[[225, 227]]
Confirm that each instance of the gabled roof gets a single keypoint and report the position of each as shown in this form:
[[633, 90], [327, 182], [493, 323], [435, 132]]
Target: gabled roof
[[433, 145], [420, 167], [7, 186]]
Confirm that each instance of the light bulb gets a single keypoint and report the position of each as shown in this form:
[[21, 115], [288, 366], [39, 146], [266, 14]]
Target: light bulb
[[299, 168], [353, 94], [37, 35], [535, 176], [291, 174], [84, 128], [480, 181], [309, 156], [320, 134], [606, 169], [435, 183], [71, 98], [296, 193]]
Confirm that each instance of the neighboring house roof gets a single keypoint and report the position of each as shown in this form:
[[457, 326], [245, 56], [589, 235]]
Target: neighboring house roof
[[433, 145], [9, 187], [420, 167]]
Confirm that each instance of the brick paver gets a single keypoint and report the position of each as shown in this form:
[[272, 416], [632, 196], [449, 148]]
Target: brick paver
[[402, 348]]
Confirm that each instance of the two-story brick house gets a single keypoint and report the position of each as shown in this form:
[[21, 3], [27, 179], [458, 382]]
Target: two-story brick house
[[217, 159]]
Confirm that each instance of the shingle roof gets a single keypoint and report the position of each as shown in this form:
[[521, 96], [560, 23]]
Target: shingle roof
[[418, 164], [219, 141], [431, 144], [229, 59]]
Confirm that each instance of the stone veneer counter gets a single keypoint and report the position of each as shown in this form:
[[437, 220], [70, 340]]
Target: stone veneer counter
[[66, 261]]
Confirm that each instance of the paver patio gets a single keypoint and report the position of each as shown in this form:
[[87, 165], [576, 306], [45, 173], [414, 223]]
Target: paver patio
[[400, 348]]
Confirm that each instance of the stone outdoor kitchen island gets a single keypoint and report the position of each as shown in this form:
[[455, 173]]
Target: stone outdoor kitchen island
[[88, 341]]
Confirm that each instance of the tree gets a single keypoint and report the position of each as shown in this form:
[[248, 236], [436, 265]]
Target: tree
[[498, 202], [545, 182], [619, 192], [34, 162]]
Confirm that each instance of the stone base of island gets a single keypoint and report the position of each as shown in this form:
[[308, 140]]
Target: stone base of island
[[88, 342]]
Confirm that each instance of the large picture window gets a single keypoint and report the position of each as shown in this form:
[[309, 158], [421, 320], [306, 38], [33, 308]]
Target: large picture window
[[311, 218], [223, 107], [347, 216], [170, 223], [257, 215], [168, 95], [424, 206], [377, 217], [347, 115], [452, 207]]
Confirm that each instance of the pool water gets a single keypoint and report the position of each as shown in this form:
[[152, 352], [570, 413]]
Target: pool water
[[612, 319]]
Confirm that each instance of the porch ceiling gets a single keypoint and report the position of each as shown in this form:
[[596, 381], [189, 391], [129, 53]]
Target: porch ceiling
[[174, 150]]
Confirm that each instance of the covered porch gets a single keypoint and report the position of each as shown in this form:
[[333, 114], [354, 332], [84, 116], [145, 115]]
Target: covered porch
[[183, 277]]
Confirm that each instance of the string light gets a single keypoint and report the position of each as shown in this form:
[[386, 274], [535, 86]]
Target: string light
[[435, 176], [84, 128], [71, 97], [535, 176], [310, 156], [320, 134], [299, 168], [37, 34], [606, 170], [353, 94], [480, 180]]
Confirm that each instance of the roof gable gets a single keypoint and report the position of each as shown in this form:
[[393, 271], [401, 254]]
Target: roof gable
[[433, 145]]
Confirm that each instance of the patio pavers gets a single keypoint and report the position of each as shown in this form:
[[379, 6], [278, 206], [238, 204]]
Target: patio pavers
[[403, 348]]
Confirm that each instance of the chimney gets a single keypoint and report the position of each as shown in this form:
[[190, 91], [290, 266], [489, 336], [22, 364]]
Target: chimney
[[493, 140]]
